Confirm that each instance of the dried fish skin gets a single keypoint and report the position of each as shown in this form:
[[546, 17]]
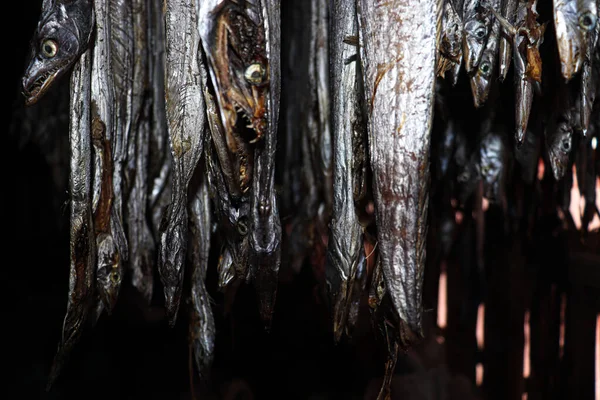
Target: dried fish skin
[[399, 74], [63, 34], [492, 160], [509, 12], [477, 26], [482, 79], [82, 241], [572, 20], [345, 245], [186, 120], [559, 142], [265, 232], [202, 330]]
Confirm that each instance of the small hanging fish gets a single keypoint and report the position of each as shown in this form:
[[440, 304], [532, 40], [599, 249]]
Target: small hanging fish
[[477, 26], [573, 19]]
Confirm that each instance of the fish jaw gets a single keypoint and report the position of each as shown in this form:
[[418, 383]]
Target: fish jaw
[[568, 38], [62, 35], [239, 71]]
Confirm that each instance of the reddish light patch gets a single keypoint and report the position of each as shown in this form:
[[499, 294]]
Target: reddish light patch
[[442, 315], [526, 347], [485, 204], [479, 374], [370, 208], [458, 217], [479, 331], [578, 204], [541, 169]]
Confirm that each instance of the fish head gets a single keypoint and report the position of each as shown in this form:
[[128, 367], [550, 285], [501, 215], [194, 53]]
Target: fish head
[[235, 44], [572, 26], [476, 32], [60, 38], [492, 165], [452, 34], [559, 148], [481, 79]]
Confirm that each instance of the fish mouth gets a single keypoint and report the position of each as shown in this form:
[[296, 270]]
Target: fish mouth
[[36, 89]]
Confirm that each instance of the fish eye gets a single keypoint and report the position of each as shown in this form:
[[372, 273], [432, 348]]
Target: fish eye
[[114, 277], [242, 226], [587, 21], [480, 33], [566, 145], [49, 48], [485, 69], [255, 73]]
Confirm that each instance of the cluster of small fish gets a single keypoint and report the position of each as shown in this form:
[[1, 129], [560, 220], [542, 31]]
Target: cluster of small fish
[[176, 133]]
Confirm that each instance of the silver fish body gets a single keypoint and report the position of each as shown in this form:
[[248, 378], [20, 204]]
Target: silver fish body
[[399, 74], [477, 26], [345, 245], [202, 324], [509, 11], [82, 242], [573, 20], [482, 78], [186, 120]]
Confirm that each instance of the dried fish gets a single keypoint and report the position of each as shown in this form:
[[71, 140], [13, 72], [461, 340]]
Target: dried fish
[[202, 325], [482, 77], [139, 236], [63, 34], [345, 252], [572, 20], [509, 12], [82, 242], [400, 101], [477, 25], [186, 119]]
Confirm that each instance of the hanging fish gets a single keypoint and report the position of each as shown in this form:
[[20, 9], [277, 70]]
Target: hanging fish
[[202, 324], [400, 102], [241, 45], [590, 70], [186, 118], [527, 36], [477, 26], [82, 242], [509, 12], [102, 129], [451, 42], [482, 77], [573, 19], [63, 34], [345, 253]]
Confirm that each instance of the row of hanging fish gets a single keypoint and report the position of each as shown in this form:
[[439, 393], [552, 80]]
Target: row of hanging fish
[[177, 141]]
